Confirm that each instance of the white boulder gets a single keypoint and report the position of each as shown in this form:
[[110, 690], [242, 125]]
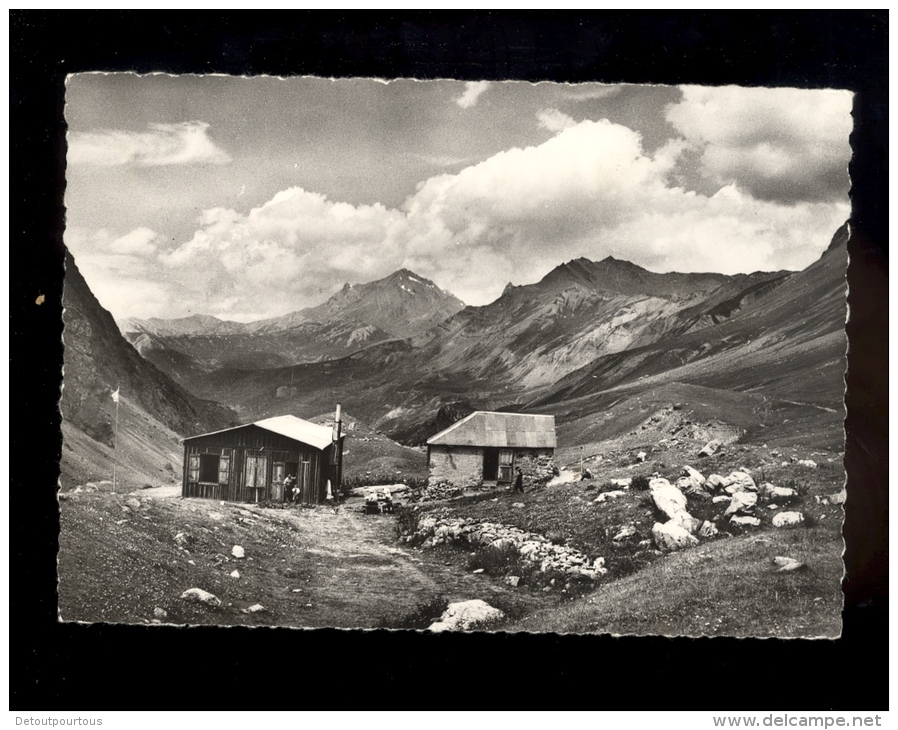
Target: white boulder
[[787, 519], [686, 521], [466, 615], [641, 456], [198, 595], [745, 520], [694, 474], [715, 481], [616, 494], [255, 608], [708, 529], [623, 483], [740, 481], [781, 493], [787, 565], [667, 498], [838, 497], [235, 573], [238, 552], [710, 448], [741, 502], [625, 533], [670, 536]]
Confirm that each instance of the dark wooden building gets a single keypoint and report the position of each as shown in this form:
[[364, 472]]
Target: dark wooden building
[[485, 448], [251, 463]]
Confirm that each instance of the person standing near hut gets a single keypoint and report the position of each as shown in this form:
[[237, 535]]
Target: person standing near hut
[[519, 482], [290, 487]]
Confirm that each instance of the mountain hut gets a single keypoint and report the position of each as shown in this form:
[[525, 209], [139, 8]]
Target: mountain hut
[[251, 463], [486, 448]]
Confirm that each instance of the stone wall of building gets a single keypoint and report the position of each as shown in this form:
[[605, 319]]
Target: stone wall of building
[[536, 464], [461, 466]]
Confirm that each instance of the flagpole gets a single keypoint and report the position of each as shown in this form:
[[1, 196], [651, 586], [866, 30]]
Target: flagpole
[[115, 442]]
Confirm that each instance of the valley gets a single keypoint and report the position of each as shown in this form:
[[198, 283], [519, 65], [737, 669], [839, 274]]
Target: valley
[[629, 362]]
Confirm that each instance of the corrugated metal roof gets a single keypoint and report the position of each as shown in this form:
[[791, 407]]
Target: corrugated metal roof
[[290, 426], [502, 430]]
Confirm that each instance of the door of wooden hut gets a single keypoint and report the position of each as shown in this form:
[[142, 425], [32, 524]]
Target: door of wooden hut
[[254, 476], [308, 490]]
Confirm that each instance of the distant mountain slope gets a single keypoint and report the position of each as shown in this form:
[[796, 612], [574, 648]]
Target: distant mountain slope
[[98, 360], [787, 344], [400, 305], [533, 335]]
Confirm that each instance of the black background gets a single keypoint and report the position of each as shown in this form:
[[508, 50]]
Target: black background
[[63, 666]]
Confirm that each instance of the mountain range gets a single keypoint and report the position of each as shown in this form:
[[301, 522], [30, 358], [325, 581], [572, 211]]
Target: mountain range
[[598, 344], [398, 306], [586, 335]]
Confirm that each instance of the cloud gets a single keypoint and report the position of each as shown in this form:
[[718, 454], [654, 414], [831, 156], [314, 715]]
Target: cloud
[[554, 120], [588, 92], [590, 190], [785, 145], [472, 92], [165, 144]]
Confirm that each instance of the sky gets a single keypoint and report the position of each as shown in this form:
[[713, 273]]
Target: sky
[[248, 198]]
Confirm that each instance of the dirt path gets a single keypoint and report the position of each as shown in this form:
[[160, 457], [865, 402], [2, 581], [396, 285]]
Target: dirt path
[[356, 575], [307, 567]]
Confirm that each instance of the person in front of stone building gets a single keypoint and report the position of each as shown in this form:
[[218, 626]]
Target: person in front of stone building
[[519, 482]]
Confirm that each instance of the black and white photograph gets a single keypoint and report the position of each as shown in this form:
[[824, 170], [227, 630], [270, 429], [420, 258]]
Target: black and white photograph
[[453, 355]]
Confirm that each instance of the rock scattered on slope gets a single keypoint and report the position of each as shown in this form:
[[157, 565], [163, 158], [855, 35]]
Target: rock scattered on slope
[[255, 608], [667, 498], [788, 519], [160, 613], [604, 496], [710, 448], [745, 520], [198, 595], [467, 615], [625, 533], [532, 548], [708, 529], [740, 481], [781, 493], [670, 536], [238, 552], [787, 565], [742, 502], [838, 497]]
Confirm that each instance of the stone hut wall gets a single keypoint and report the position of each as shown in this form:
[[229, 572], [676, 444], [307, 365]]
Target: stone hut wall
[[461, 466], [536, 464]]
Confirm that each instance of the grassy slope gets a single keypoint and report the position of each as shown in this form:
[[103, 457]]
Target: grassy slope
[[308, 568], [728, 587], [724, 586], [148, 453]]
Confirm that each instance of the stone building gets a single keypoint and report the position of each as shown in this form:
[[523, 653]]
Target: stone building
[[486, 448]]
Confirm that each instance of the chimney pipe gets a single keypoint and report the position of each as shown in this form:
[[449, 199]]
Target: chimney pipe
[[337, 424]]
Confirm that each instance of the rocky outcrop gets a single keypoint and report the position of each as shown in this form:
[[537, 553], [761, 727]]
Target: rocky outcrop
[[532, 548]]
